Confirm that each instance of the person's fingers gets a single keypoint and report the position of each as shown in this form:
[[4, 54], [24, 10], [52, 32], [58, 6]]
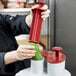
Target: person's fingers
[[45, 12], [44, 17], [27, 51], [26, 55], [29, 57], [27, 47], [22, 56], [40, 47], [45, 7], [35, 6], [32, 52]]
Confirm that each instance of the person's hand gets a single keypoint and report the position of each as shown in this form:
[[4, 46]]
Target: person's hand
[[45, 11], [44, 14], [40, 47], [25, 52]]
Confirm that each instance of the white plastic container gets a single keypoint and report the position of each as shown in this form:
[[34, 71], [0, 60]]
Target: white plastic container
[[35, 70], [37, 67], [56, 69]]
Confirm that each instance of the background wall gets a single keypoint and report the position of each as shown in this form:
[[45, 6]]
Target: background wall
[[66, 31]]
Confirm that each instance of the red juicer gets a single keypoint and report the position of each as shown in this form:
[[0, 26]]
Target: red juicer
[[56, 62], [55, 56], [36, 23]]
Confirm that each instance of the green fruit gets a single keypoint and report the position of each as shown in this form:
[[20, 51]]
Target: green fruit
[[38, 55]]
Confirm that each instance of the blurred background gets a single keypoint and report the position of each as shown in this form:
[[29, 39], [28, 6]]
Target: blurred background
[[23, 7], [16, 3]]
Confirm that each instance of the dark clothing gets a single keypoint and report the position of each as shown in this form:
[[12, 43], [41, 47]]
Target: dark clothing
[[10, 27]]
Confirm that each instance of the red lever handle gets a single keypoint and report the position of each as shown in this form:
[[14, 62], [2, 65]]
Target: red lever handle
[[36, 24]]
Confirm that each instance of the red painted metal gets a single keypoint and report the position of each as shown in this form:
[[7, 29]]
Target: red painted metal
[[36, 23], [55, 56]]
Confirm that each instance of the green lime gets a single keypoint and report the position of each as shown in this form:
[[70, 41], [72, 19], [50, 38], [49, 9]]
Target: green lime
[[38, 55]]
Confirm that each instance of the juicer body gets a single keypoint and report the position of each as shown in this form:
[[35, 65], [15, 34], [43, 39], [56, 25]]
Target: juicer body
[[57, 69], [37, 67], [56, 62]]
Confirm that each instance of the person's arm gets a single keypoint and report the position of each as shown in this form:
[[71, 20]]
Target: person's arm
[[23, 52], [16, 24], [2, 59], [20, 24]]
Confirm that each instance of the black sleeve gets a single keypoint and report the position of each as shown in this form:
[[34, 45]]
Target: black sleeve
[[16, 24], [2, 59]]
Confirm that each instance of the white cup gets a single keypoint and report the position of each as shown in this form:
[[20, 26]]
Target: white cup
[[56, 69], [37, 67]]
